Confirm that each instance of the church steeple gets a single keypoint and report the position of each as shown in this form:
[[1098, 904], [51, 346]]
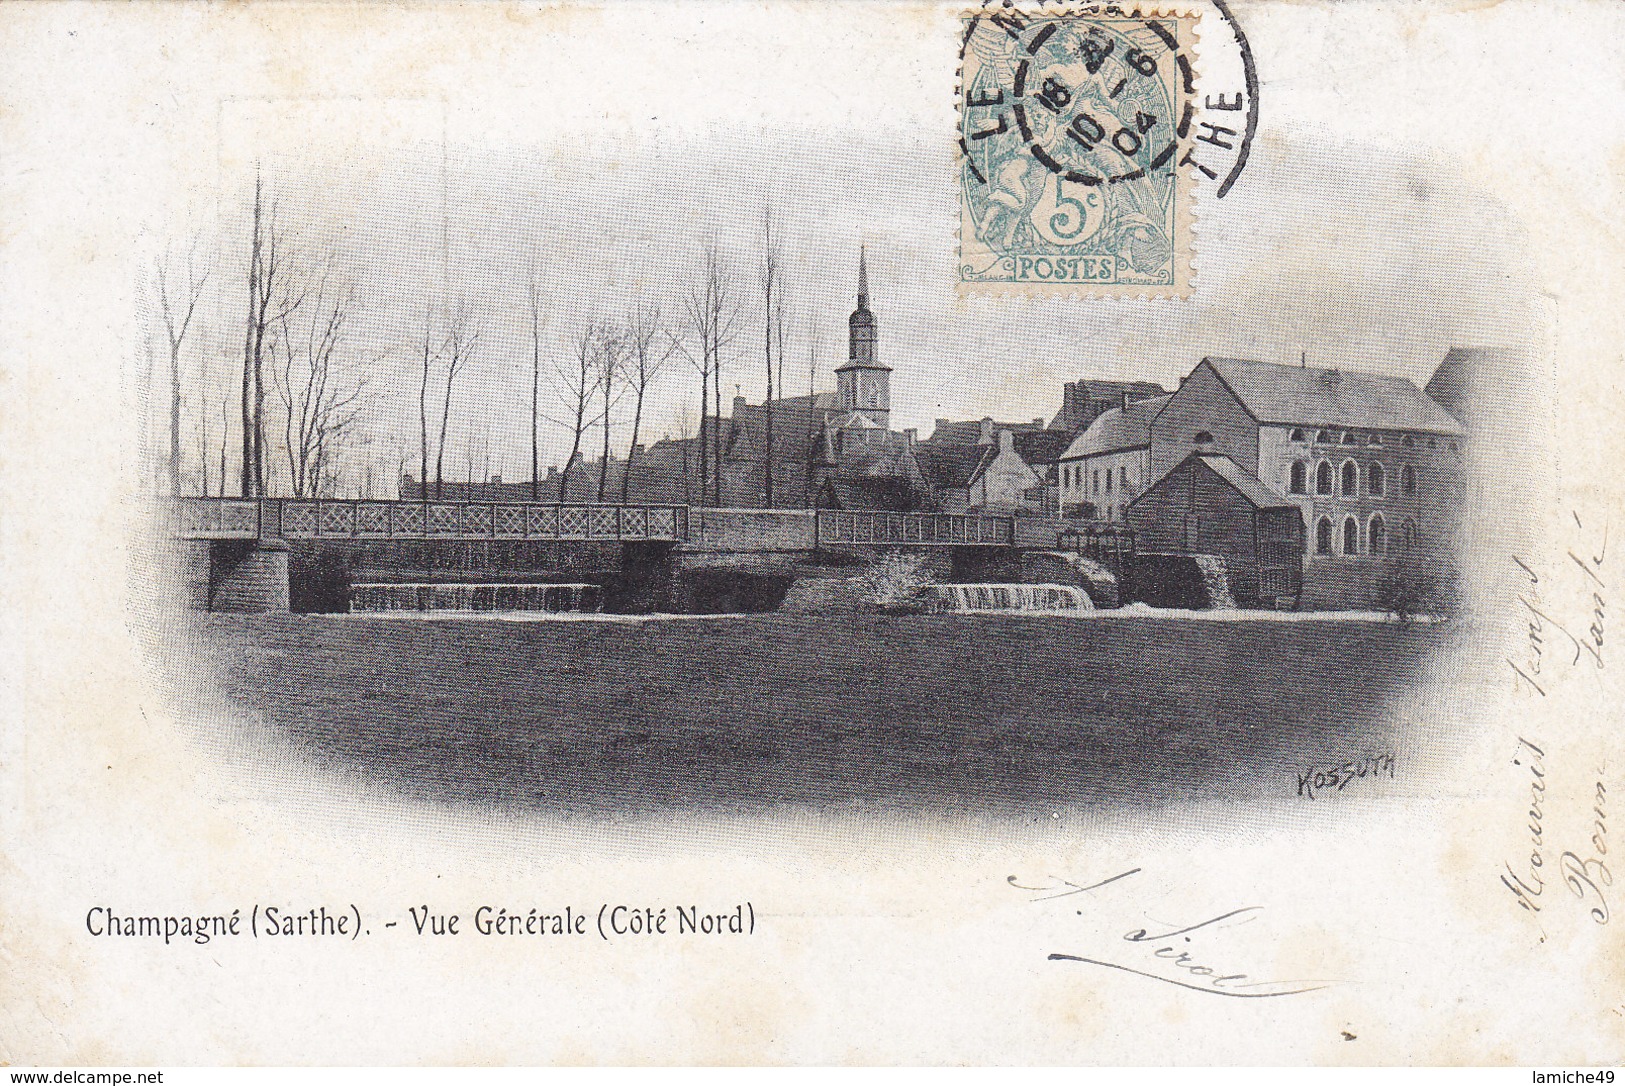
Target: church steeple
[[863, 383]]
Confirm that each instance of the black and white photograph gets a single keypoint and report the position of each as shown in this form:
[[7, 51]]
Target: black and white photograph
[[779, 534]]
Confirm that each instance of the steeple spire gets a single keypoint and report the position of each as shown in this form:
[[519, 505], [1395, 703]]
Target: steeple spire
[[863, 277]]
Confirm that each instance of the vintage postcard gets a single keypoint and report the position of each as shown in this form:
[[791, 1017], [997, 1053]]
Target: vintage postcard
[[784, 533]]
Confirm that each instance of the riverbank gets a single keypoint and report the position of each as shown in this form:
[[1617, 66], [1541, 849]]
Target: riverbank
[[998, 712]]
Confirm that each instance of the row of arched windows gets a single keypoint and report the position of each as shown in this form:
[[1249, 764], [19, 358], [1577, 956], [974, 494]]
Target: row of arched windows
[[1347, 479], [1375, 536], [1358, 437]]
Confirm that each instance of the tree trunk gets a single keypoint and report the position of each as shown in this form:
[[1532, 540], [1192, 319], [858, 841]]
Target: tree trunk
[[445, 420], [249, 350], [535, 401], [423, 423]]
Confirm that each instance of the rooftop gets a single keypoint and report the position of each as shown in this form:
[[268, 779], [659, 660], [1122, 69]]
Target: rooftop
[[1312, 396]]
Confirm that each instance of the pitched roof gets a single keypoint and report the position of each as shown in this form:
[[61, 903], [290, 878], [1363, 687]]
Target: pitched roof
[[1040, 446], [1312, 396], [969, 431], [950, 467], [1469, 372], [878, 493], [1118, 428], [1244, 481]]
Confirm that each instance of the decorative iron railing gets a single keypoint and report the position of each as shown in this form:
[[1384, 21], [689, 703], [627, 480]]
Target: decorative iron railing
[[230, 518], [837, 527], [216, 518]]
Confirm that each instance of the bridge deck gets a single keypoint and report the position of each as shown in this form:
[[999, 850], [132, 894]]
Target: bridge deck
[[721, 529]]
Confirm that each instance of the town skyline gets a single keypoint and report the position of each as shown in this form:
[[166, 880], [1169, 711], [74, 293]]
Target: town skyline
[[402, 228]]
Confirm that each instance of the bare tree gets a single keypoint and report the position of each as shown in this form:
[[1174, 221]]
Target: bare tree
[[781, 337], [645, 360], [575, 381], [534, 296], [772, 257], [611, 362], [319, 405], [812, 408], [713, 315], [431, 353], [461, 339], [270, 300], [178, 294]]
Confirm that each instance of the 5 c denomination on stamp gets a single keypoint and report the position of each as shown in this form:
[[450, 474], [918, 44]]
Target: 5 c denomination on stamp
[[1071, 171]]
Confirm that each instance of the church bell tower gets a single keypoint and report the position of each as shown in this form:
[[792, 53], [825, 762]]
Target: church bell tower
[[863, 384]]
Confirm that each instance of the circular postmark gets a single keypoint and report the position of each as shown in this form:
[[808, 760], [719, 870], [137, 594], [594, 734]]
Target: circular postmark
[[1076, 133]]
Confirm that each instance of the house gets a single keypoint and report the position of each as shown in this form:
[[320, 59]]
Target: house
[[981, 431], [1208, 505], [1082, 402], [947, 471], [1373, 465], [1109, 463]]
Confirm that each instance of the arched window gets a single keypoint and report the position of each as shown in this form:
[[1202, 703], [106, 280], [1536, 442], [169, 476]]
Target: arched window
[[1351, 438], [1433, 443], [1297, 435], [1407, 535], [1408, 441], [1108, 480], [1351, 478], [1203, 437], [1375, 479], [1298, 481], [1095, 481], [1374, 439], [1376, 536], [1407, 480], [1323, 478], [1122, 478], [1326, 437], [1323, 536], [1351, 536]]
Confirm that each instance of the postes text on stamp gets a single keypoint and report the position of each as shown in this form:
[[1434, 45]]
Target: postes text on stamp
[[1071, 172]]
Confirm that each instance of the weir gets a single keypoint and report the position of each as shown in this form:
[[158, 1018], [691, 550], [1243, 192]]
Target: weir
[[1216, 577], [1011, 597], [550, 598]]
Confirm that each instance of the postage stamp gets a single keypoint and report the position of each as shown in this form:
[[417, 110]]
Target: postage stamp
[[1071, 168]]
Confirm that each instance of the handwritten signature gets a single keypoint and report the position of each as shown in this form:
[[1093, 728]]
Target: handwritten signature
[[1335, 778], [1178, 956]]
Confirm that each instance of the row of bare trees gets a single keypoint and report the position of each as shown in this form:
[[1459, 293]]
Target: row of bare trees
[[300, 373], [294, 341]]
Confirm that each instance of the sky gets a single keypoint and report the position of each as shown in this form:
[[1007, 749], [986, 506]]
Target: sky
[[1326, 250]]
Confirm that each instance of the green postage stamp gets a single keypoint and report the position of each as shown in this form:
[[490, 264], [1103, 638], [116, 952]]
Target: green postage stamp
[[1073, 172]]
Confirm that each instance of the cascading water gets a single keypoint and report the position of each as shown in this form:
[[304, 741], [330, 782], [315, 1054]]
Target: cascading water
[[551, 598], [1216, 576], [1012, 597]]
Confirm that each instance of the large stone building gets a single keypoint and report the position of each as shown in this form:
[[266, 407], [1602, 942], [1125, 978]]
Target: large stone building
[[1372, 464]]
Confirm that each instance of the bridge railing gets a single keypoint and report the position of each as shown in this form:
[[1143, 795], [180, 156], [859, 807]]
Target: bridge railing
[[838, 527], [215, 518], [292, 518]]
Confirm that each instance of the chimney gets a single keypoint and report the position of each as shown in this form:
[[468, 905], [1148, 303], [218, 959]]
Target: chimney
[[739, 406], [911, 435], [985, 435], [1038, 424], [1007, 441], [496, 480]]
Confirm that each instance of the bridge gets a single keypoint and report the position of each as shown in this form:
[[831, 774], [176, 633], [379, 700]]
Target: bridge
[[237, 551], [774, 529]]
